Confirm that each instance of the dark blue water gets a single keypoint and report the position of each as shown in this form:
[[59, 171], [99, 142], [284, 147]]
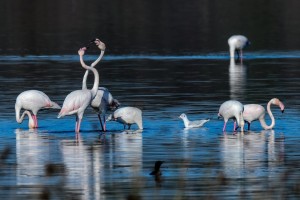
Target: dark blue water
[[198, 163]]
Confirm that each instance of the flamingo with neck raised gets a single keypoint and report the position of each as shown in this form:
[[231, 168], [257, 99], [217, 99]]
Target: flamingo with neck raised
[[104, 100], [33, 100], [77, 101], [254, 112]]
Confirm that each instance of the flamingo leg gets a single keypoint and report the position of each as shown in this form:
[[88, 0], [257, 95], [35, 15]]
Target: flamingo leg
[[234, 126], [99, 117], [35, 121], [248, 126], [104, 124], [78, 122], [224, 127]]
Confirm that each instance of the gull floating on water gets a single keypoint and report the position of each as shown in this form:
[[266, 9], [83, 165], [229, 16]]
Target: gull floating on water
[[192, 124]]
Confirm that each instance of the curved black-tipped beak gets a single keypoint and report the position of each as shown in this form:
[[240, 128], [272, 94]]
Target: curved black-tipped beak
[[91, 42], [282, 111]]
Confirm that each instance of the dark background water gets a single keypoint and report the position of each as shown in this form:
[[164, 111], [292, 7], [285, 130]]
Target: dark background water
[[144, 27], [165, 57]]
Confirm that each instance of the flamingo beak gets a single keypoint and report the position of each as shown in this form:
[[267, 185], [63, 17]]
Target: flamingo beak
[[91, 42]]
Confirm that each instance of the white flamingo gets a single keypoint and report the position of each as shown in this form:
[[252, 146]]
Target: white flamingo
[[104, 100], [33, 100], [77, 101], [232, 109], [254, 112], [192, 124], [236, 44], [127, 116]]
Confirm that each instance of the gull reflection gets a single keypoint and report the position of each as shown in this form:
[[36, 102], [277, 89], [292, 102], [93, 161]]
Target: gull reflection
[[248, 155], [84, 167], [237, 79]]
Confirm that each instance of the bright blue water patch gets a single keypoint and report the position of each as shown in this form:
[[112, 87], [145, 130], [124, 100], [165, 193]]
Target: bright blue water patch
[[211, 56]]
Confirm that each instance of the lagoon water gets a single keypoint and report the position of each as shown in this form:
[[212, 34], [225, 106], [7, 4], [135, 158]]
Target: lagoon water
[[166, 59], [198, 163]]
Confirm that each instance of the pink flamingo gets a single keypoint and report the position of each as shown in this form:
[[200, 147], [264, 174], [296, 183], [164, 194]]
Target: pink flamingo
[[77, 101], [232, 109], [236, 44], [254, 112], [33, 100], [104, 100]]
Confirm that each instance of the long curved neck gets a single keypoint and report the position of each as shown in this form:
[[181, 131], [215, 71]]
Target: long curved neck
[[84, 84], [96, 75], [20, 119], [262, 119]]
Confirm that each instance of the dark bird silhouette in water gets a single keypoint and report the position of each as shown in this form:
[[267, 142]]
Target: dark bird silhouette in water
[[157, 171]]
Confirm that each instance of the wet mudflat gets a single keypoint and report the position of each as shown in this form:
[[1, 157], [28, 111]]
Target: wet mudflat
[[53, 161]]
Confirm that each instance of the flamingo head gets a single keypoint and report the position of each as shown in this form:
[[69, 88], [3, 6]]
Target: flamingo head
[[277, 102], [31, 123], [98, 43], [114, 105]]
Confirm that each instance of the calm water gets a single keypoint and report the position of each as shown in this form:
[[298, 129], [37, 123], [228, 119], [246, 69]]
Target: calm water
[[165, 58], [202, 162]]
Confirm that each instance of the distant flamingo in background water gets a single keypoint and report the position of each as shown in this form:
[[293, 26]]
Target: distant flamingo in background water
[[77, 101], [33, 100], [232, 109], [254, 112], [236, 44], [104, 100]]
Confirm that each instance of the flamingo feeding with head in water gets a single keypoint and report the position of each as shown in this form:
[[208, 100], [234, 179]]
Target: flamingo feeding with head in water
[[254, 112], [33, 100], [127, 116], [77, 101], [104, 100], [31, 123], [236, 44], [232, 109]]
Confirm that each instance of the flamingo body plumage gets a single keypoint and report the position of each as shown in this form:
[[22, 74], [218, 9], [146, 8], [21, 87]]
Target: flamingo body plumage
[[232, 109], [127, 116], [253, 112], [33, 100], [236, 44]]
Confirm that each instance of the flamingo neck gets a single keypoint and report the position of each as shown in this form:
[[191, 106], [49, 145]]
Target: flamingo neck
[[84, 84], [262, 119], [96, 76]]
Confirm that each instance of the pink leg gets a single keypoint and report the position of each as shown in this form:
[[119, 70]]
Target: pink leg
[[35, 121], [234, 125], [224, 127], [78, 122], [104, 123]]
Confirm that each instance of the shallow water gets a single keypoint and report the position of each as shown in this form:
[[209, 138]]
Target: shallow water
[[53, 161]]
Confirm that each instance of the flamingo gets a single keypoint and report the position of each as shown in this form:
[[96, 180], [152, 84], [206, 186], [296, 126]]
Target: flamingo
[[237, 43], [77, 101], [33, 100], [127, 116], [104, 100], [254, 112], [31, 123], [192, 124], [232, 109]]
